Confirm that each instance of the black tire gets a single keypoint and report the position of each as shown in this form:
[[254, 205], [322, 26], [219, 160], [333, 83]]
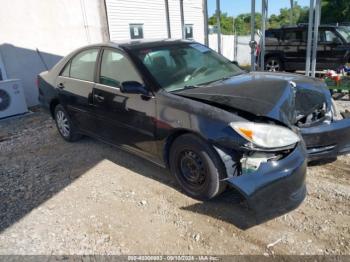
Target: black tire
[[71, 135], [274, 64], [197, 167]]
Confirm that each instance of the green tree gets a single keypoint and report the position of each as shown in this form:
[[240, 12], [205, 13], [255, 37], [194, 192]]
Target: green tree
[[242, 23], [334, 11], [300, 15], [226, 23]]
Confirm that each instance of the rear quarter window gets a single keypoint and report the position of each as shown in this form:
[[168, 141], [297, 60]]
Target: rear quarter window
[[272, 36], [82, 65]]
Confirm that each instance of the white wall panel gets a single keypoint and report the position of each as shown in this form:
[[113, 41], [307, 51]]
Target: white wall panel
[[150, 13]]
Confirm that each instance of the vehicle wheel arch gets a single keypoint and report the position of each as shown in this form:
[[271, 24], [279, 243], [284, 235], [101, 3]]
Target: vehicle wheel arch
[[171, 139], [278, 55], [226, 160], [54, 102]]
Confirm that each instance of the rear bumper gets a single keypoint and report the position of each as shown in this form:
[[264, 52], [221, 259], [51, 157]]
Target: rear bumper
[[327, 140], [276, 184]]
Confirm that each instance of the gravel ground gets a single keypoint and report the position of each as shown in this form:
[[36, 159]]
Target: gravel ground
[[90, 198]]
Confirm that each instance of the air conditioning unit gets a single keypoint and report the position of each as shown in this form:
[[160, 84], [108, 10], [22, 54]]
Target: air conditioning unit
[[12, 101]]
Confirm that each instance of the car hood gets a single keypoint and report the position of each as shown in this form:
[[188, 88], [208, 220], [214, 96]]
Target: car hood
[[280, 96]]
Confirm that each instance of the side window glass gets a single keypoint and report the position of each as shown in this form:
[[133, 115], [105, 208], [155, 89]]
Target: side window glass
[[83, 65], [321, 36], [292, 36], [330, 37], [116, 69], [66, 70]]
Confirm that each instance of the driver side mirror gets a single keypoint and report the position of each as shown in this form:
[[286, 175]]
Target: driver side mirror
[[133, 87], [235, 63]]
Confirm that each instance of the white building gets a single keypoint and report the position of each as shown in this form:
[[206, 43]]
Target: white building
[[35, 34]]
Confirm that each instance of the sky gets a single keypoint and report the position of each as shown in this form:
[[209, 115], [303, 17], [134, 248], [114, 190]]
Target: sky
[[236, 7]]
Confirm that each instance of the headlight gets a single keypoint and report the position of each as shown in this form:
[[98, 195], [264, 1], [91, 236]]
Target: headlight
[[265, 135]]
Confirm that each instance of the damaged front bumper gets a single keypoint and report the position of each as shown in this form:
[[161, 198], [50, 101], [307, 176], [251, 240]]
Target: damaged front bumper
[[276, 184], [327, 140]]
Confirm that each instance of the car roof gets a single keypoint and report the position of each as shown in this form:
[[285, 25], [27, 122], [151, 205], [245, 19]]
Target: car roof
[[142, 43]]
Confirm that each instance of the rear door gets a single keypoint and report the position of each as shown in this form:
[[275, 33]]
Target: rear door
[[292, 46], [75, 85], [126, 120]]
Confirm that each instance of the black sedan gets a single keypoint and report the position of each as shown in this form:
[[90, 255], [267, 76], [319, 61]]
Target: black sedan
[[183, 106]]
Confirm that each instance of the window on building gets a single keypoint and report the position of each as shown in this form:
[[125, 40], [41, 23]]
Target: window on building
[[136, 31], [116, 68], [83, 65], [188, 31]]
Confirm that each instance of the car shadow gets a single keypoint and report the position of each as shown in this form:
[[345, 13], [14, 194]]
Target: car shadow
[[25, 186], [322, 162], [230, 206]]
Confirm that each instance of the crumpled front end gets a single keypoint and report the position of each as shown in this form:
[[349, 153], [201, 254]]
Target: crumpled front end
[[275, 184], [327, 140], [325, 133]]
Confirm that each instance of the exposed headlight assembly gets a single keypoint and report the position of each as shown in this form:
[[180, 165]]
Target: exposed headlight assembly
[[266, 135]]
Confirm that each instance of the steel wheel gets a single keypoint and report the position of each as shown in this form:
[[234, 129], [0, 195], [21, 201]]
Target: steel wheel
[[62, 123], [273, 65], [197, 167], [192, 168]]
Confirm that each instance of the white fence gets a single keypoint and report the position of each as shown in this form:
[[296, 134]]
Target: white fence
[[228, 46]]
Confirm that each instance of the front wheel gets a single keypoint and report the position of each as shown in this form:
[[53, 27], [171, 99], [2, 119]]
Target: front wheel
[[64, 125], [197, 167]]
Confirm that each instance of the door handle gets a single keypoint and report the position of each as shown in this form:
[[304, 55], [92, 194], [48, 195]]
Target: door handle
[[60, 86], [99, 98]]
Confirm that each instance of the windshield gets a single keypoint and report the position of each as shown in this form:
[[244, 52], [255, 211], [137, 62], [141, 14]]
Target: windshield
[[345, 33], [186, 65]]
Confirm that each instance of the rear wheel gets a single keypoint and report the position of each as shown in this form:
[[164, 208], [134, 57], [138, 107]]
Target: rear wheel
[[64, 125], [273, 64], [197, 167]]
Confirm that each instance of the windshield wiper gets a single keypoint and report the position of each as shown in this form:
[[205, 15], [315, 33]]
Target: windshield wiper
[[191, 86], [206, 83], [214, 81]]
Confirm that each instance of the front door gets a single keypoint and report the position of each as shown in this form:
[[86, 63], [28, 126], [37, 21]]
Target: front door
[[331, 52], [126, 120], [75, 85]]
